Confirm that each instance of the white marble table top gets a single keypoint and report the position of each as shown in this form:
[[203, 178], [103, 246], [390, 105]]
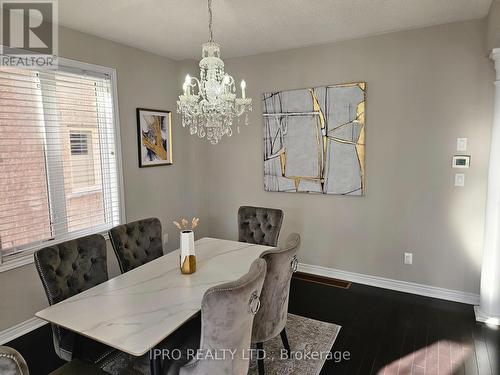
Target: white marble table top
[[135, 311]]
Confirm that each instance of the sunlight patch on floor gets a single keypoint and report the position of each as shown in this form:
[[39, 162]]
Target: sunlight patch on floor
[[441, 358]]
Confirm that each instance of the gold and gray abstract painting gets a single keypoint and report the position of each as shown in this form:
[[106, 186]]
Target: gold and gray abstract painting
[[314, 140]]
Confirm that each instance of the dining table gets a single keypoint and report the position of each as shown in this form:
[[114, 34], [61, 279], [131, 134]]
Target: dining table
[[135, 311]]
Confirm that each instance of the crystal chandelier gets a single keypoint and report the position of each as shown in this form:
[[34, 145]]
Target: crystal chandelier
[[209, 105]]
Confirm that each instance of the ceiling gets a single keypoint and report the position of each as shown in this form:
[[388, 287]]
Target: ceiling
[[176, 28]]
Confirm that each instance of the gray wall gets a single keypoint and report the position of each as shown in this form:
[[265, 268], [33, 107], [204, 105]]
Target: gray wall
[[493, 39], [166, 192], [425, 88]]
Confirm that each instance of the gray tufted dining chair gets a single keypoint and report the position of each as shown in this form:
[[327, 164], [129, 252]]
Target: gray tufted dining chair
[[270, 321], [11, 362], [137, 243], [259, 225], [67, 269], [227, 313]]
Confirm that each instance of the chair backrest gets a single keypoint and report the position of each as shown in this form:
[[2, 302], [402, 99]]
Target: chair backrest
[[67, 269], [11, 362], [137, 243], [227, 313], [259, 225], [281, 263]]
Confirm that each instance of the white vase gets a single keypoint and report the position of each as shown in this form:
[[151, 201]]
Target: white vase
[[188, 256]]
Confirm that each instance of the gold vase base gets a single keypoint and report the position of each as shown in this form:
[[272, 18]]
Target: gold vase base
[[189, 265]]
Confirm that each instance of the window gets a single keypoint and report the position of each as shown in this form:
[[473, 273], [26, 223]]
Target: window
[[79, 142], [59, 173]]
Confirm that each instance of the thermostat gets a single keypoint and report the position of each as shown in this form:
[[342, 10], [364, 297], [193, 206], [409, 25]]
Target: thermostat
[[461, 161]]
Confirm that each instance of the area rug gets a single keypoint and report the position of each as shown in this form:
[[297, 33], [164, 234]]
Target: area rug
[[306, 337], [310, 341]]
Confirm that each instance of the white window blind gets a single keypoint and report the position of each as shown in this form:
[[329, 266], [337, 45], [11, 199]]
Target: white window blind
[[59, 176]]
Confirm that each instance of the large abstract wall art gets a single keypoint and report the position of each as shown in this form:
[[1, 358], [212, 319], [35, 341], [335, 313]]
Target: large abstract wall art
[[314, 140]]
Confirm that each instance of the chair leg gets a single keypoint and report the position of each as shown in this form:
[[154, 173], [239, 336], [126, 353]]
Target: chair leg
[[155, 363], [286, 344], [260, 360]]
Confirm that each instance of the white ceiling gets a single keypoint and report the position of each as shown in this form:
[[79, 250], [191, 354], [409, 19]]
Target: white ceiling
[[176, 28]]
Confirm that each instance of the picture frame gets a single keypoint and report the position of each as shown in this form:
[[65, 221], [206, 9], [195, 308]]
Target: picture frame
[[154, 137]]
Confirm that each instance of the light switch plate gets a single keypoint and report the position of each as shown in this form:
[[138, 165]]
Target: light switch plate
[[408, 258], [459, 179], [461, 144]]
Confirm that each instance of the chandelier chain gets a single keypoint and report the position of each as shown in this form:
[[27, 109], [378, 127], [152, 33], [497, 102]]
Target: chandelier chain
[[210, 21]]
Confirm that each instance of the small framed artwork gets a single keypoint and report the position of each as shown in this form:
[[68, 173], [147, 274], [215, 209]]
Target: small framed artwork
[[461, 161], [154, 137]]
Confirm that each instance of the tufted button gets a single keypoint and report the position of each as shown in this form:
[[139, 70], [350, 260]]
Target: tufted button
[[93, 260], [58, 272], [74, 266], [80, 250], [126, 246], [86, 277]]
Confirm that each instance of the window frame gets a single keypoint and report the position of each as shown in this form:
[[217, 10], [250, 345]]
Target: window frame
[[25, 255]]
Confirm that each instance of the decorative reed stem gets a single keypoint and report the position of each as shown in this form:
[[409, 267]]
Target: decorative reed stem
[[184, 224]]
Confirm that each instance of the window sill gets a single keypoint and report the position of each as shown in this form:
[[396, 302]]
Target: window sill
[[17, 261], [26, 257], [86, 191]]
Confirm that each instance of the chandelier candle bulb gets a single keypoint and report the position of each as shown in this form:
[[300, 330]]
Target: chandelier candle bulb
[[188, 85], [243, 86]]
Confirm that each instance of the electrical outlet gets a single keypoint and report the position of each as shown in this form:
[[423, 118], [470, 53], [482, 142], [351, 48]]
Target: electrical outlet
[[165, 239], [408, 258]]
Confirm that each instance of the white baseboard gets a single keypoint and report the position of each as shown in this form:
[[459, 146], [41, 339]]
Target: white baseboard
[[398, 285], [20, 329]]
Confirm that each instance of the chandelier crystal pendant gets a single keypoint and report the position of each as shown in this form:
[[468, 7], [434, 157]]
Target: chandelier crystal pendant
[[209, 105]]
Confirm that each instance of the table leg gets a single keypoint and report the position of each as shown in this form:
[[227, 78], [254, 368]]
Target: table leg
[[154, 362]]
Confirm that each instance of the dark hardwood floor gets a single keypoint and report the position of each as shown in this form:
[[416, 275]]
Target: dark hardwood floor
[[38, 351], [385, 333]]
